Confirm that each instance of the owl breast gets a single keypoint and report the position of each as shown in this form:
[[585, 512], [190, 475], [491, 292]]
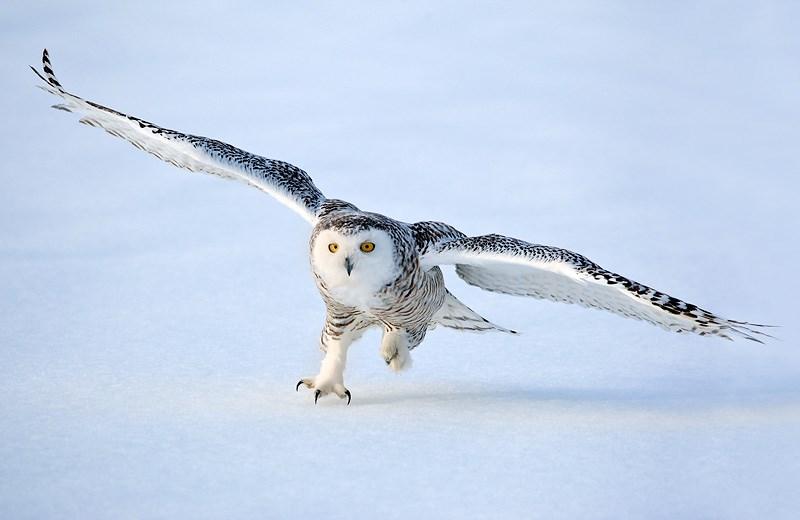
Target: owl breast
[[356, 295]]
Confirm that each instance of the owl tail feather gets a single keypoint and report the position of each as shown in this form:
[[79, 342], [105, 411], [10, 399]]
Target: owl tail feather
[[455, 315]]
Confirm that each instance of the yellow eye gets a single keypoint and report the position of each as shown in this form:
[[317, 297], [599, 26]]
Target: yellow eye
[[367, 247], [333, 247]]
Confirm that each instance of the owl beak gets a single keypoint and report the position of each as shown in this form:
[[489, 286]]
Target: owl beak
[[348, 265]]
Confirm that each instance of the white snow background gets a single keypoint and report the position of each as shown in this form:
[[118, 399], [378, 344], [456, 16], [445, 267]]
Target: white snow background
[[153, 322]]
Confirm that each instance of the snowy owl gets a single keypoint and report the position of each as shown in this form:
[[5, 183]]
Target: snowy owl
[[374, 271]]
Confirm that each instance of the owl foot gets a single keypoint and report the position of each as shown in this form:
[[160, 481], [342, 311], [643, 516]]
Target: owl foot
[[394, 350], [324, 388], [398, 359]]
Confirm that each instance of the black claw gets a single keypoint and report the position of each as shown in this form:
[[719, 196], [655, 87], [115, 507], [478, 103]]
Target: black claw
[[347, 393], [297, 388], [316, 396]]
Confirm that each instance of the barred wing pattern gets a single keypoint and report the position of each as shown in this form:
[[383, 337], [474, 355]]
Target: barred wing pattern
[[511, 266], [287, 183]]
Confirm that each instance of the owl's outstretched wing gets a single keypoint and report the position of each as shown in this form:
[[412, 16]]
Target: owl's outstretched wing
[[287, 183], [511, 266]]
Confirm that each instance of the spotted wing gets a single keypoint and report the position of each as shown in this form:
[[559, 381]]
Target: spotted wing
[[287, 183], [511, 266]]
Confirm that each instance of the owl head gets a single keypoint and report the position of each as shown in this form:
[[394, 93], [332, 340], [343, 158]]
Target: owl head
[[357, 251]]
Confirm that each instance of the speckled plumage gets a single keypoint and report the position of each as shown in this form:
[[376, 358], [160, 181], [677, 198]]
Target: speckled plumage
[[400, 288]]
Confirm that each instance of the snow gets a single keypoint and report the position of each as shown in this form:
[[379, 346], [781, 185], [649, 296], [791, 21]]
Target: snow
[[153, 322]]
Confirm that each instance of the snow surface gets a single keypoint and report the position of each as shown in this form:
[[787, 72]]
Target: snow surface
[[153, 323]]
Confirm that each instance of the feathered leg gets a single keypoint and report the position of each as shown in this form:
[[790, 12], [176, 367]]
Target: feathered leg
[[334, 341]]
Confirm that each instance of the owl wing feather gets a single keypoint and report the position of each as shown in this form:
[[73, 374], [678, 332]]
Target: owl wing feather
[[287, 183], [507, 265]]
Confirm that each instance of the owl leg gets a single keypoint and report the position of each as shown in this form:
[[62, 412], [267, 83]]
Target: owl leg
[[395, 350], [331, 372]]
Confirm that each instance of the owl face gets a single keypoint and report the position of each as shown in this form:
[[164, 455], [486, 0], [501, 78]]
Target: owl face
[[354, 265]]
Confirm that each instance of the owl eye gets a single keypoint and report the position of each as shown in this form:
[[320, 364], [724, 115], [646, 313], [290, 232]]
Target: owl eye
[[333, 247], [367, 247]]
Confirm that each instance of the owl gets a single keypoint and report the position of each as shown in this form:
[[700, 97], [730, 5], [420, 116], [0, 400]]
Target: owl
[[375, 271]]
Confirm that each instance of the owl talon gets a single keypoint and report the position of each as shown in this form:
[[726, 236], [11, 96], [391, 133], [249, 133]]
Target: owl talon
[[309, 382], [322, 388]]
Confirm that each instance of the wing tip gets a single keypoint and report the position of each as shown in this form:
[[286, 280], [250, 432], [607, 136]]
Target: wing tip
[[38, 73], [49, 76], [759, 325], [749, 331]]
